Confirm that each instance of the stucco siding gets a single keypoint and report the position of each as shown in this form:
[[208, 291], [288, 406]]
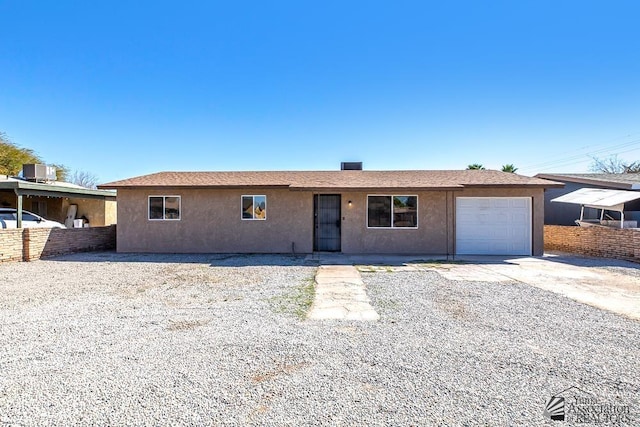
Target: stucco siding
[[110, 212], [98, 212], [430, 237], [211, 222]]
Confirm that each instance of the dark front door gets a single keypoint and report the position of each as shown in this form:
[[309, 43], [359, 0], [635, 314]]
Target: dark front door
[[326, 208]]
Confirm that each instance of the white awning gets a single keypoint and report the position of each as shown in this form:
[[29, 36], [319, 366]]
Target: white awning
[[598, 198]]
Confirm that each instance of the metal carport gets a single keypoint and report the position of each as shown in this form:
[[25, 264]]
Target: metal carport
[[26, 188], [597, 198]]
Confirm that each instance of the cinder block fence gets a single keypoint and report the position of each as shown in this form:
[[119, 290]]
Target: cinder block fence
[[594, 241], [11, 245], [34, 243]]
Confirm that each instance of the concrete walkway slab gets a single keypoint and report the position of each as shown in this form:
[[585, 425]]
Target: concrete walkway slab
[[340, 294]]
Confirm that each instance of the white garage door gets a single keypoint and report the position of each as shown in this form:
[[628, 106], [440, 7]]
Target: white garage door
[[493, 225]]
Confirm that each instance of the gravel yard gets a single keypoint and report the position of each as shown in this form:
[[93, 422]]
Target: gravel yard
[[114, 339]]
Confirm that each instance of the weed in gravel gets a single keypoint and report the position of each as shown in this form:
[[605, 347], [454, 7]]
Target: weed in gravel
[[437, 261], [181, 325], [278, 371], [438, 264], [387, 304], [296, 300], [454, 306], [375, 269], [225, 298]]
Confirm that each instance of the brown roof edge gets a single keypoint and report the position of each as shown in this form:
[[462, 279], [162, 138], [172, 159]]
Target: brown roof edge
[[291, 187], [375, 189], [588, 181], [548, 184], [188, 187], [334, 180]]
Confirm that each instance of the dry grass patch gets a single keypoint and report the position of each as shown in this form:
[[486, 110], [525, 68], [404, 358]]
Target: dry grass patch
[[184, 325]]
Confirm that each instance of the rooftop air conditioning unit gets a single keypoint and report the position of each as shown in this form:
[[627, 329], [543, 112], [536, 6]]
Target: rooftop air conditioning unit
[[38, 173], [351, 166]]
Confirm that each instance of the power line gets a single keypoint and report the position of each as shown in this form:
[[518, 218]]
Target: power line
[[580, 158], [606, 143], [602, 150], [578, 162]]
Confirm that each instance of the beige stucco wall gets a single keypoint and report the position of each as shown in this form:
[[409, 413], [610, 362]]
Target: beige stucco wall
[[210, 222], [99, 212], [110, 212], [429, 238], [95, 210], [436, 222]]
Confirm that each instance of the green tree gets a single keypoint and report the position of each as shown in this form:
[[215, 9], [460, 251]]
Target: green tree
[[509, 168], [12, 156], [475, 166], [62, 172]]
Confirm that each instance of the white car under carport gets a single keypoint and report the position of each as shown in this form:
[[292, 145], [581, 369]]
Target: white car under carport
[[9, 219]]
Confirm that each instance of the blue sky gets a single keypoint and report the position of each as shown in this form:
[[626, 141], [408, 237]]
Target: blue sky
[[123, 89]]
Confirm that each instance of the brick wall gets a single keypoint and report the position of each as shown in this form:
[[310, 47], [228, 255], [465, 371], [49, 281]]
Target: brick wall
[[11, 245], [594, 241], [34, 243]]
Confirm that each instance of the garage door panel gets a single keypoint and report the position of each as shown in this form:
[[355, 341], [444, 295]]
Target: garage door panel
[[467, 202], [519, 218], [501, 204], [519, 203], [500, 247], [483, 218], [501, 233], [493, 225], [521, 248], [501, 217]]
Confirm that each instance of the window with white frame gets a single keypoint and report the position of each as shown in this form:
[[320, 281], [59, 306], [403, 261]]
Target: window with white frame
[[392, 211], [254, 207], [165, 208]]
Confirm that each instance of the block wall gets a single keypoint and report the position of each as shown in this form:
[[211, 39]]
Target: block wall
[[11, 248], [34, 243], [594, 241]]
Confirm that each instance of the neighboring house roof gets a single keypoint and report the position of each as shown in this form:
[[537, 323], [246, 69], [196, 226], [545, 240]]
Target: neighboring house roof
[[599, 198], [333, 180], [622, 181], [53, 189]]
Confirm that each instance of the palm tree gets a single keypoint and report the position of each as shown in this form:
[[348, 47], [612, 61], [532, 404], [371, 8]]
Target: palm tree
[[509, 168], [475, 166]]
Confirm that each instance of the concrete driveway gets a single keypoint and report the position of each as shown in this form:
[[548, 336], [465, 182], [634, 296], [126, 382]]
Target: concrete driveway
[[607, 284]]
